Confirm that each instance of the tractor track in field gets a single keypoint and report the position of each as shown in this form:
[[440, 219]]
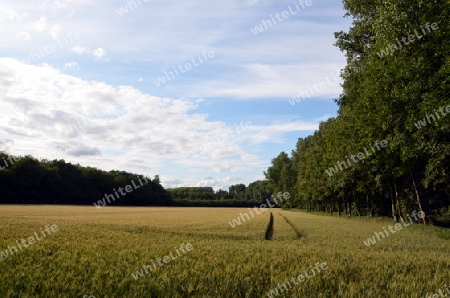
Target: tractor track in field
[[269, 229], [299, 234]]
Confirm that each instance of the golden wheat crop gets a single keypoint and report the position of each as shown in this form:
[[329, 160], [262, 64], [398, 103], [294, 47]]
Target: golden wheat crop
[[96, 251]]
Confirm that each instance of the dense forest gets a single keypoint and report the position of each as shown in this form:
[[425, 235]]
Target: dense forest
[[387, 152], [26, 180]]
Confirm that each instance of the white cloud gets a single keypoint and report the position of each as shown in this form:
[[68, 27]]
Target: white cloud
[[272, 64], [71, 65], [6, 145], [80, 50], [256, 2], [55, 30], [56, 108], [40, 24], [55, 115], [99, 53], [54, 5], [275, 131], [12, 16], [264, 80], [23, 36], [216, 182]]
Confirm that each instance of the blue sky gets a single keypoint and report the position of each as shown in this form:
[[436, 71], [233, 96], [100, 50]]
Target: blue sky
[[78, 82]]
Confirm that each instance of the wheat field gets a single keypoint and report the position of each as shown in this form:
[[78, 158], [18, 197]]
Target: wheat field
[[104, 253]]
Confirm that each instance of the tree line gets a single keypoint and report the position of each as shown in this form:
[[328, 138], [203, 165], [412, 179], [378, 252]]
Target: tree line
[[27, 180], [399, 99], [237, 195]]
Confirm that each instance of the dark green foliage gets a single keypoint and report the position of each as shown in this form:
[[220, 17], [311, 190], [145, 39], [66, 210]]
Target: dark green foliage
[[238, 196], [237, 191], [193, 193], [384, 98], [212, 203], [258, 191], [29, 181]]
